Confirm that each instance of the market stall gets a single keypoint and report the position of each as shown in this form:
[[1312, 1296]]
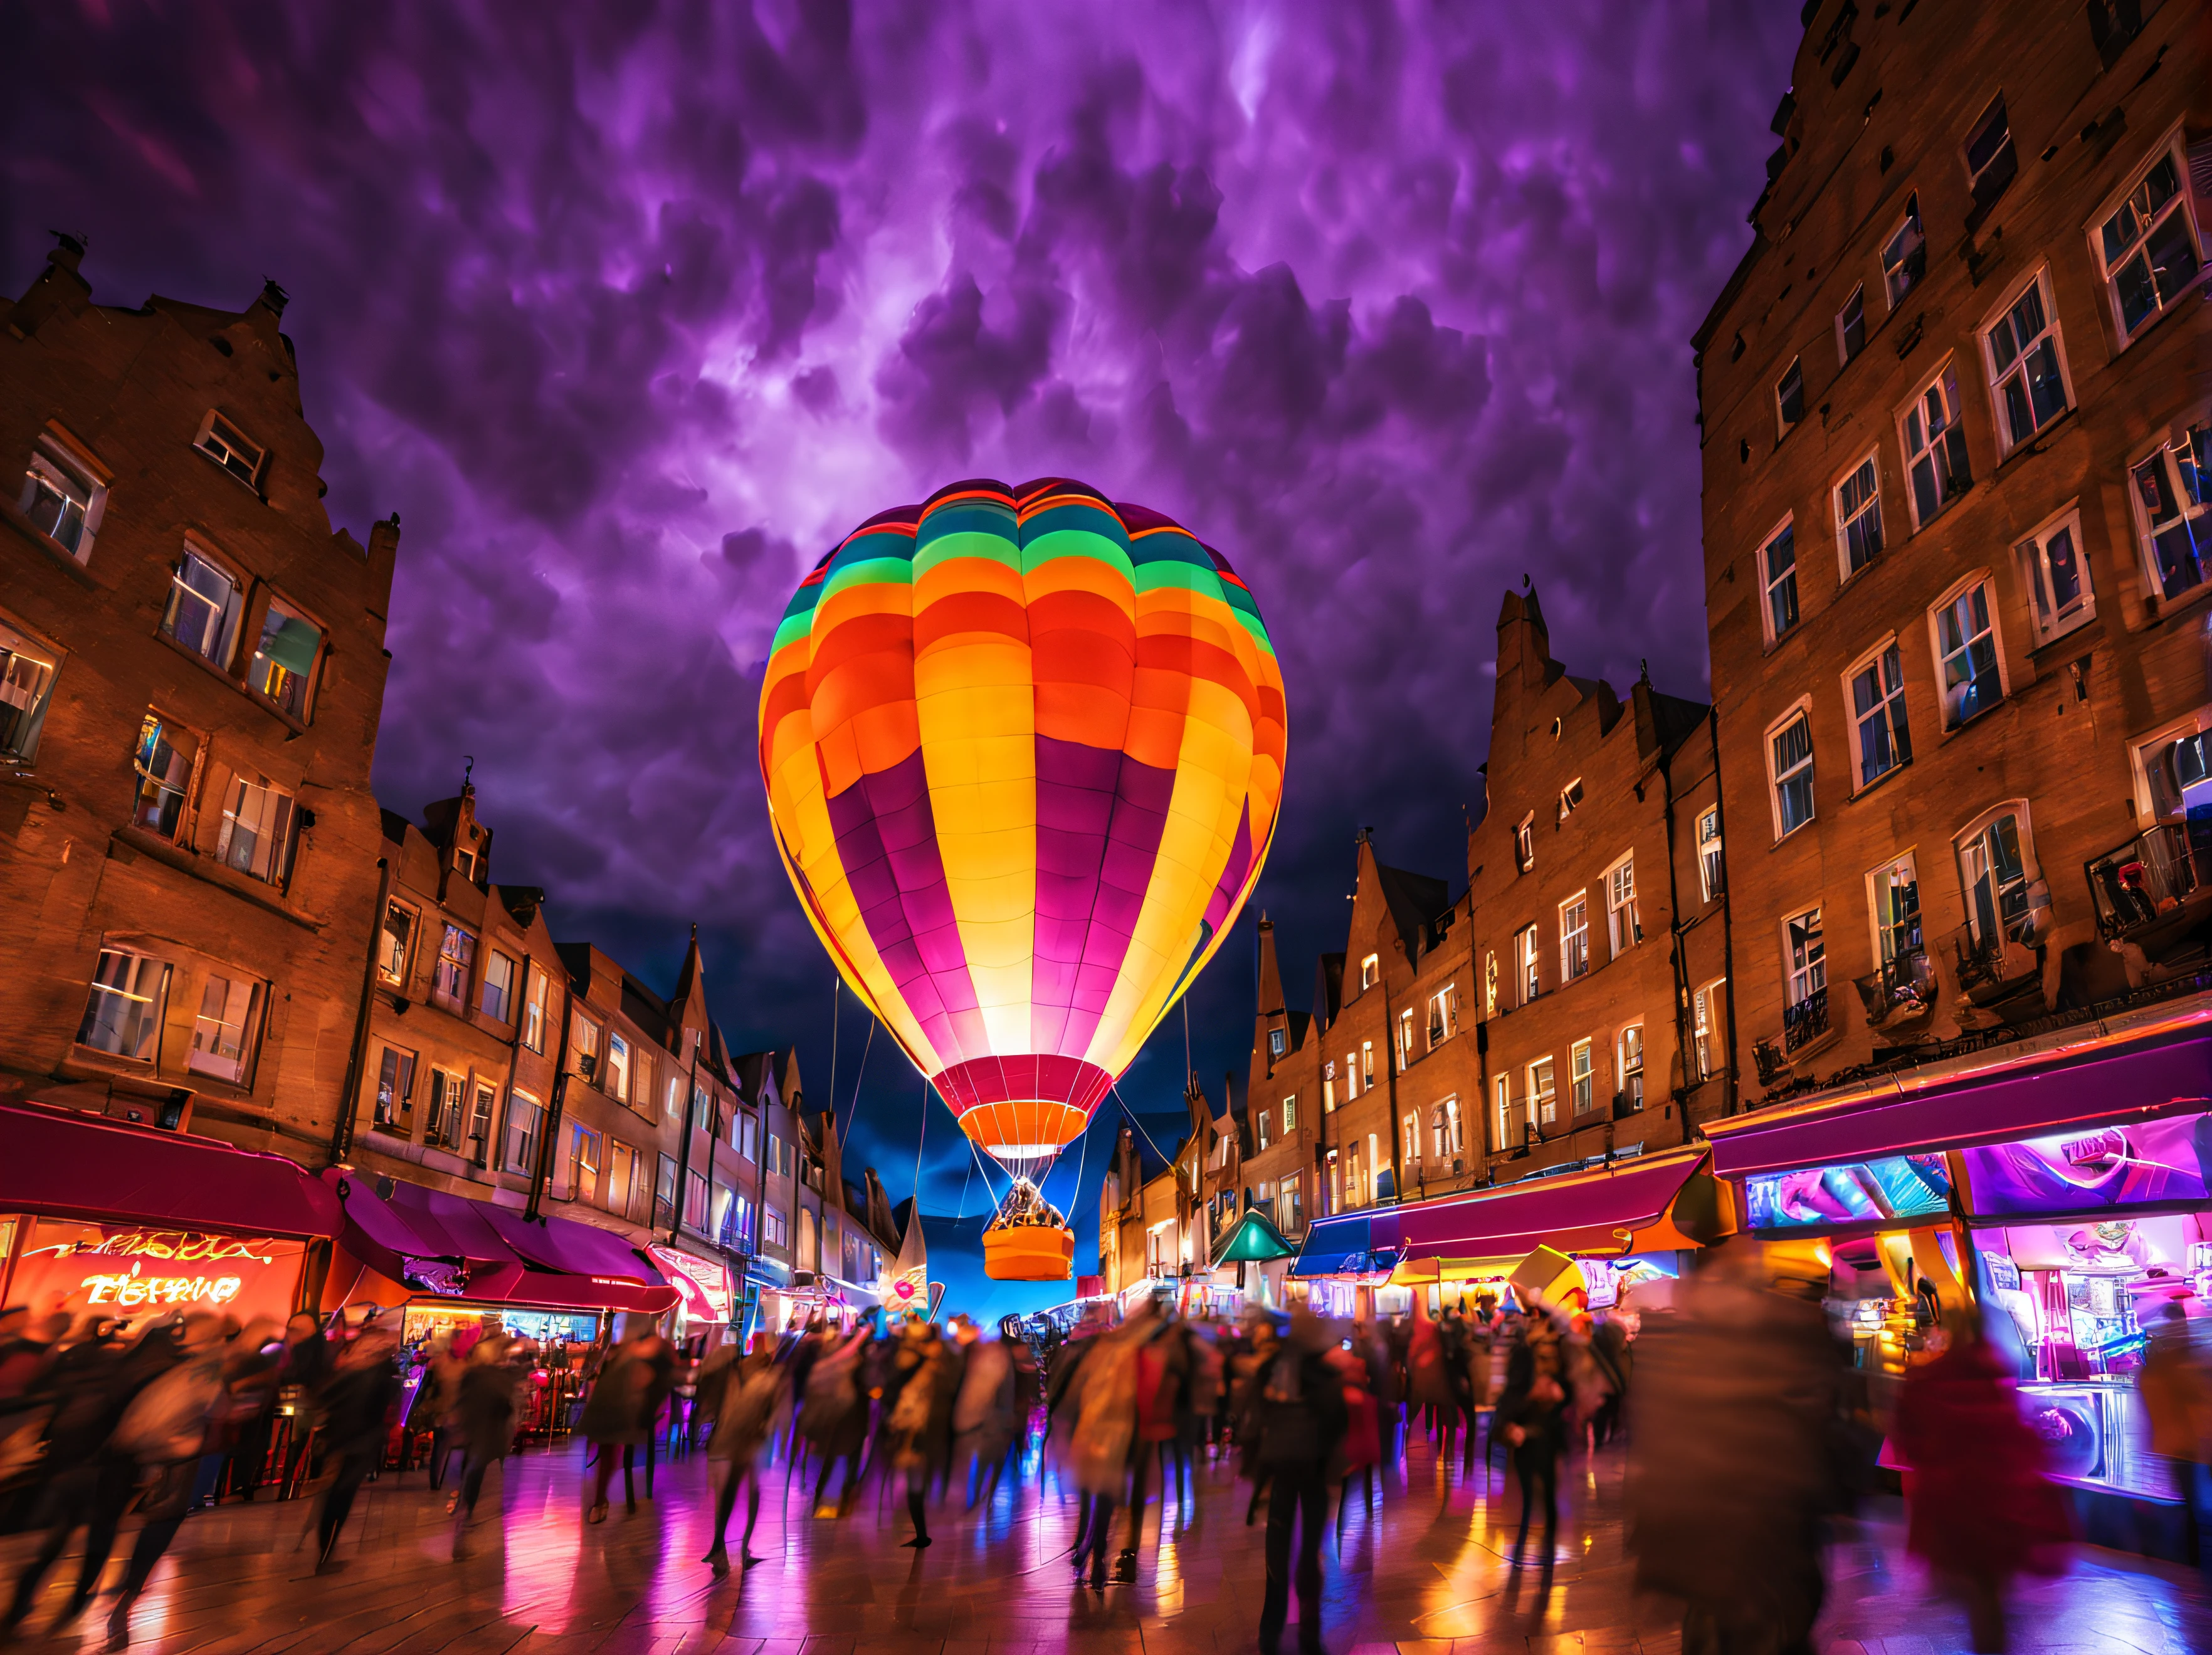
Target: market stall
[[1339, 1271]]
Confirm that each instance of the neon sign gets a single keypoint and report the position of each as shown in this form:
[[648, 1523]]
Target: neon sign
[[134, 1290]]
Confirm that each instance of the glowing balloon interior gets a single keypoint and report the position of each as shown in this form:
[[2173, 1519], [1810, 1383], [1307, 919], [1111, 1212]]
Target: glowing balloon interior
[[1023, 749]]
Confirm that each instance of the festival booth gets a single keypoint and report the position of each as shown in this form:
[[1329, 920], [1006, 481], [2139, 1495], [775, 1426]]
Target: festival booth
[[1254, 1245], [99, 1216], [2072, 1188], [1339, 1271]]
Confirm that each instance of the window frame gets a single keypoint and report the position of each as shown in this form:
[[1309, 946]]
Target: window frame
[[1582, 1076], [522, 1105], [1443, 1014], [1290, 1114], [2163, 453], [1944, 376], [1872, 508], [1405, 1042], [1708, 1031], [1370, 972], [1958, 590], [2032, 553], [1569, 971], [1502, 1095], [505, 1014], [1881, 925], [1623, 1070], [1527, 963], [1894, 708], [1994, 164], [1711, 857], [405, 972], [2031, 868], [1800, 708], [1909, 220], [1524, 843], [1770, 583], [1543, 1100], [309, 683], [455, 999], [1617, 905], [536, 1008], [231, 615], [70, 461], [285, 842], [1845, 355], [1995, 378], [2171, 146], [2160, 737], [152, 1026], [1783, 423], [203, 443], [185, 794], [1571, 798], [1797, 984], [400, 1063], [240, 1071]]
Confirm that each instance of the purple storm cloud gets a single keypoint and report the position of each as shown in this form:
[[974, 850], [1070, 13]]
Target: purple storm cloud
[[631, 312]]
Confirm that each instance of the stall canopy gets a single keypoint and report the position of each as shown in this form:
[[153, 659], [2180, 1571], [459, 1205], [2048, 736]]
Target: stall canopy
[[1255, 1241], [2109, 1087], [64, 1164], [1640, 1205], [1343, 1246]]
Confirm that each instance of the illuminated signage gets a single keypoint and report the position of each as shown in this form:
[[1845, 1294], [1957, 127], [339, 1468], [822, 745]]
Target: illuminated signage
[[1852, 1192], [703, 1287], [2147, 1163], [130, 1272], [132, 1290]]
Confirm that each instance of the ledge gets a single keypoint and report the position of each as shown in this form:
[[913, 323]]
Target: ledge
[[45, 545], [135, 840], [238, 687]]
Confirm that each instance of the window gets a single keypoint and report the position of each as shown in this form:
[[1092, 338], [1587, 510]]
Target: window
[[1490, 982], [2172, 766], [498, 998], [230, 448], [61, 499], [1777, 574], [204, 609], [1524, 842], [1329, 1088], [1808, 957], [395, 1092], [1405, 1039], [1624, 926], [616, 1083], [1350, 1075], [1877, 699], [2059, 575], [222, 1033], [1904, 255], [449, 1103], [1632, 1065], [525, 1123], [1370, 971], [1571, 799], [1935, 445], [2171, 489], [1705, 1028], [1443, 1015], [1574, 937], [1995, 868], [258, 824], [1582, 1076], [1712, 871], [479, 1147], [163, 764], [1279, 1041], [1502, 1090], [1789, 398], [775, 1228], [695, 1198], [393, 943], [2147, 246], [1858, 518], [123, 1013], [1789, 748], [1290, 1204], [701, 1099], [2027, 372], [1445, 1126], [1896, 892], [1851, 328], [1409, 1136], [1367, 1065], [745, 1134], [620, 1186], [1967, 655], [533, 1013], [27, 682], [664, 1193], [1991, 163], [585, 1043], [808, 1248], [283, 665], [1543, 1104], [1290, 1116], [778, 1156], [1525, 953], [449, 981], [1265, 1137]]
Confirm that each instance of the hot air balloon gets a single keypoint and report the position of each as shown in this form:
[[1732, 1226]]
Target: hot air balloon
[[1024, 750]]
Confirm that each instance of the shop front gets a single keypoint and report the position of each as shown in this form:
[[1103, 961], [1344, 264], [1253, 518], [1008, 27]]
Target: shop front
[[101, 1218], [706, 1297], [1340, 1272]]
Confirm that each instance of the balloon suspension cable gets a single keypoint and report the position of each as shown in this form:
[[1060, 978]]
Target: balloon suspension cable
[[837, 1009], [966, 1177], [853, 1113], [920, 1138], [1139, 1124], [1187, 1071], [1082, 1160]]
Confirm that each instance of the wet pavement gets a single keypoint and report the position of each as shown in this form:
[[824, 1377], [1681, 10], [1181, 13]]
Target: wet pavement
[[1424, 1571]]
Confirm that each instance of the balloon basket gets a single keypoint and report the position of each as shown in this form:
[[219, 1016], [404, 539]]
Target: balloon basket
[[1028, 1239]]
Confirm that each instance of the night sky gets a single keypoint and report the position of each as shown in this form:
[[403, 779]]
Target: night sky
[[632, 312]]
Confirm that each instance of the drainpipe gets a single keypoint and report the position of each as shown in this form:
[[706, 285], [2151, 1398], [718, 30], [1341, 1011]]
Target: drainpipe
[[513, 1063], [684, 1149], [350, 1105], [1675, 929], [543, 1172], [1728, 921]]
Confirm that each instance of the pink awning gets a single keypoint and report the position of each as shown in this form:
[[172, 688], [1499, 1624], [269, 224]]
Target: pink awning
[[413, 1248], [552, 1262], [64, 1164], [1915, 1116], [1595, 1212]]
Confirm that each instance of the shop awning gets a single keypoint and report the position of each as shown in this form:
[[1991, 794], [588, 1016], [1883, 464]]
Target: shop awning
[[1958, 1110], [62, 1164], [554, 1262], [573, 1248], [416, 1250], [1255, 1241], [1627, 1208], [1343, 1246]]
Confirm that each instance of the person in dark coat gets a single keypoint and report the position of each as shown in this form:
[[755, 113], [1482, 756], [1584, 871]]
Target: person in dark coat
[[482, 1418], [1301, 1417], [1532, 1413], [356, 1403], [634, 1381], [745, 1398]]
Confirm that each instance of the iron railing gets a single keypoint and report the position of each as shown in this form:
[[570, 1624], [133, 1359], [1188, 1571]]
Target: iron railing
[[2143, 879], [1805, 1022]]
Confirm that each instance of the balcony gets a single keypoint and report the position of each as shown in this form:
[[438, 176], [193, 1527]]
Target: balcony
[[1629, 1103], [2148, 892], [1902, 994], [1806, 1021], [1994, 976]]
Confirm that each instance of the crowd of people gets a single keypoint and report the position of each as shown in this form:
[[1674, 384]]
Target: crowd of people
[[1746, 1435]]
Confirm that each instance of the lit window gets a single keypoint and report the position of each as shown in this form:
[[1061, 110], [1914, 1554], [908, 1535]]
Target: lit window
[[2173, 767], [1713, 870], [1904, 255], [1808, 957], [533, 1013], [1990, 162], [1896, 909], [2059, 575], [1789, 748], [1967, 655], [27, 682], [123, 1013], [394, 942], [1405, 1039], [230, 448], [1350, 1075], [1623, 927], [1571, 799], [1266, 1137], [1367, 1065], [1290, 1116], [258, 828], [1582, 1072], [2146, 247], [583, 1165], [449, 983], [1278, 1042], [1632, 1065], [1443, 1015], [2171, 490], [1935, 445], [1858, 518], [1370, 971], [498, 998], [1409, 1134], [163, 765], [395, 1092], [204, 609], [1789, 398], [1524, 842], [448, 1109], [1877, 698], [616, 1084], [479, 1137], [1777, 574], [1705, 1028], [1329, 1088], [283, 666], [1574, 937], [525, 1122], [1502, 1091], [1525, 953], [222, 1034], [1995, 868], [584, 1039], [61, 499], [1851, 328], [2027, 372], [1543, 1103]]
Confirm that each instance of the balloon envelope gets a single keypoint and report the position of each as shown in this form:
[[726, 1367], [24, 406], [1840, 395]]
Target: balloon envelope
[[1023, 749]]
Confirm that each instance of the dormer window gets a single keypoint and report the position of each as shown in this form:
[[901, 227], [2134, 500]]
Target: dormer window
[[1370, 971], [232, 448], [465, 863], [1278, 1042]]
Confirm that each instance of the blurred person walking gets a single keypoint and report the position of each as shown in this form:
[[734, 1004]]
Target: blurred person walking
[[745, 1399], [357, 1406], [1301, 1419], [634, 1379], [1532, 1413], [481, 1420], [1981, 1505], [917, 1429], [162, 1436], [2176, 1387]]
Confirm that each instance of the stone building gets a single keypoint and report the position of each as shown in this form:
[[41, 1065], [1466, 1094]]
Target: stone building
[[191, 670], [1956, 405]]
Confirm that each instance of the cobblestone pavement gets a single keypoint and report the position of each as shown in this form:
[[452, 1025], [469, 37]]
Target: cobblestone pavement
[[1424, 1571]]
